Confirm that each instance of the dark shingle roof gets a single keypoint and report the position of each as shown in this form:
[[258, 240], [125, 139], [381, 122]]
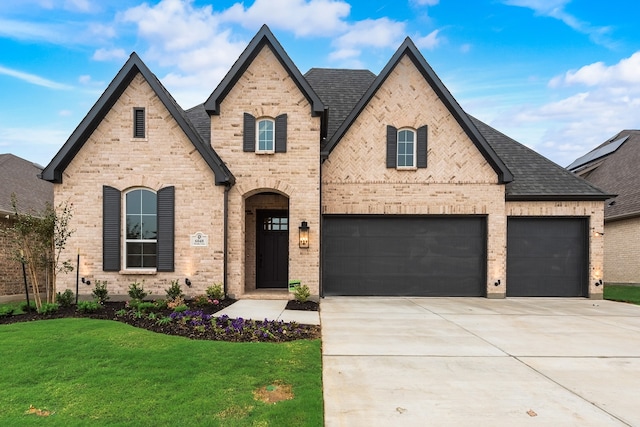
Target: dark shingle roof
[[340, 90], [133, 66], [617, 173], [535, 177], [201, 121], [20, 176]]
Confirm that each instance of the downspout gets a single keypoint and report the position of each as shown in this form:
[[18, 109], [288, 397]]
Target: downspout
[[225, 261], [320, 285]]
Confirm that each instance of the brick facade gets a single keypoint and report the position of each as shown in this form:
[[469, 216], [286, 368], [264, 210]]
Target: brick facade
[[622, 251], [111, 156], [267, 90], [11, 278]]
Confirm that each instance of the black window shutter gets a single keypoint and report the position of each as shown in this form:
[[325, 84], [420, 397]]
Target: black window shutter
[[392, 147], [166, 220], [249, 133], [111, 214], [421, 149], [281, 133], [138, 123]]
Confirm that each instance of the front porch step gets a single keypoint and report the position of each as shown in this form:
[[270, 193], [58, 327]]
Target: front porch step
[[277, 294]]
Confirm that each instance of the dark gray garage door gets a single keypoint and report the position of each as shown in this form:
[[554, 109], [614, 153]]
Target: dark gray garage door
[[547, 257], [399, 255]]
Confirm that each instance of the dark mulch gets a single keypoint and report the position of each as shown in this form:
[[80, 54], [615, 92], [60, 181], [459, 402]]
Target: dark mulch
[[304, 306], [110, 309]]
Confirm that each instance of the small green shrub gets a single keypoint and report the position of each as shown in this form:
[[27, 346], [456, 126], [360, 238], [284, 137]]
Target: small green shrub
[[136, 291], [215, 291], [100, 292], [88, 306], [48, 308], [200, 301], [174, 291], [161, 304], [180, 308], [152, 316], [146, 306], [121, 312], [163, 321], [7, 310], [302, 293], [24, 308], [65, 299]]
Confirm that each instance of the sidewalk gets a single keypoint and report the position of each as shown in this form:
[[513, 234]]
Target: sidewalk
[[269, 309]]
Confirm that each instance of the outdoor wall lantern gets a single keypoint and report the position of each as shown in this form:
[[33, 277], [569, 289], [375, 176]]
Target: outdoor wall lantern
[[86, 282], [187, 282], [599, 283], [304, 235]]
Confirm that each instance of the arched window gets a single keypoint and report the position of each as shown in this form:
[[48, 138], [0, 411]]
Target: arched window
[[266, 135], [141, 223], [406, 148]]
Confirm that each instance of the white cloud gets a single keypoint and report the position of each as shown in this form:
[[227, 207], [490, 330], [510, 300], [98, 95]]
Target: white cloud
[[109, 54], [426, 2], [301, 17], [606, 101], [33, 79], [372, 33], [430, 41], [65, 113], [555, 9], [24, 30]]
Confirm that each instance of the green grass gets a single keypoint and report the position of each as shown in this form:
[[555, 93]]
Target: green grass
[[104, 373], [622, 293]]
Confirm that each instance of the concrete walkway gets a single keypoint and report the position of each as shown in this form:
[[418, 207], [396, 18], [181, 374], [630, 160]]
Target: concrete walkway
[[269, 309], [480, 362]]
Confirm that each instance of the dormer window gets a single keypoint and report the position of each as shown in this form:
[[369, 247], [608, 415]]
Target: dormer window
[[266, 136], [139, 129]]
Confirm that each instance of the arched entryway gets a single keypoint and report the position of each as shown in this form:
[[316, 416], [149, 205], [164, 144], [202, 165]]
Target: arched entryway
[[266, 241]]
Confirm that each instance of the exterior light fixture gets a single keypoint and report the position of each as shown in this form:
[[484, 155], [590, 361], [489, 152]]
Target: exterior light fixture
[[86, 282], [187, 282], [303, 231], [599, 282]]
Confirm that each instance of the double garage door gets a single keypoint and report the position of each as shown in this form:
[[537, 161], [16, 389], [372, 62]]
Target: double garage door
[[447, 256]]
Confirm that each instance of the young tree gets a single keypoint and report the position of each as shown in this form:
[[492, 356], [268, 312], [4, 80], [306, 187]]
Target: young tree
[[40, 239]]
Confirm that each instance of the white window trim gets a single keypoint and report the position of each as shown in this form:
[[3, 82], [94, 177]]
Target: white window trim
[[127, 269], [415, 145], [273, 145]]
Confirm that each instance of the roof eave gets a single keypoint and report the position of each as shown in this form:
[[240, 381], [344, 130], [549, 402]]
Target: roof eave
[[556, 197], [262, 38]]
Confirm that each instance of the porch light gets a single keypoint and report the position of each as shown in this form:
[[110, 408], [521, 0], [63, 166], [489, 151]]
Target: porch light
[[187, 282], [303, 231]]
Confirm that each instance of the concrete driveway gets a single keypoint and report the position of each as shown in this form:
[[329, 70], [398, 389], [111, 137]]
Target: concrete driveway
[[480, 362]]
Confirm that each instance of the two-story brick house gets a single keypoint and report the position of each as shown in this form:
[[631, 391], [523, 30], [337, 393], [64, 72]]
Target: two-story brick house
[[352, 183]]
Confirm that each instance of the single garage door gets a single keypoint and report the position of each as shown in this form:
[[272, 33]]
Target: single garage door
[[547, 257], [400, 255]]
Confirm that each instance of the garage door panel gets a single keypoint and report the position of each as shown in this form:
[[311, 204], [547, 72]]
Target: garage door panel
[[547, 256], [419, 256]]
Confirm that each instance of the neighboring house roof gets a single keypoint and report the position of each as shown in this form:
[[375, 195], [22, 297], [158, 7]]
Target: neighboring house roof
[[615, 166], [535, 177], [340, 90], [133, 66], [410, 49], [20, 177], [262, 38]]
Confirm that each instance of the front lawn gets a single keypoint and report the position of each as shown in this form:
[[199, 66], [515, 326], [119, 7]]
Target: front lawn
[[77, 371], [623, 293]]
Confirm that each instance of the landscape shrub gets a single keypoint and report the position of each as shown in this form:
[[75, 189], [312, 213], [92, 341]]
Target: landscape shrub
[[88, 306], [174, 291], [215, 292], [65, 299], [136, 291], [100, 292], [48, 308]]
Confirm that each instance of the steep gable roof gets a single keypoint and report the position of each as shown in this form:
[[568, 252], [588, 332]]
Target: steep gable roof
[[133, 66], [20, 177], [534, 176], [264, 37], [409, 48], [617, 172]]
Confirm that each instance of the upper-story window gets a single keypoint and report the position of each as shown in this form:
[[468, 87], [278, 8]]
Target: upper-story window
[[266, 136], [141, 209], [406, 148], [139, 128]]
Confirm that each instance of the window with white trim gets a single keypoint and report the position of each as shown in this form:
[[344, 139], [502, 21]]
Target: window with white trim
[[406, 148], [141, 221], [265, 135]]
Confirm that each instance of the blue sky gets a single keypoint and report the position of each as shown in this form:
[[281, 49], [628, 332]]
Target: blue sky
[[560, 76]]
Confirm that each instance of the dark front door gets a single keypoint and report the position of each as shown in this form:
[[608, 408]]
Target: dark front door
[[272, 248]]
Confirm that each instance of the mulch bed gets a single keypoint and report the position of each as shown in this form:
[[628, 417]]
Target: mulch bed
[[304, 306], [110, 309]]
